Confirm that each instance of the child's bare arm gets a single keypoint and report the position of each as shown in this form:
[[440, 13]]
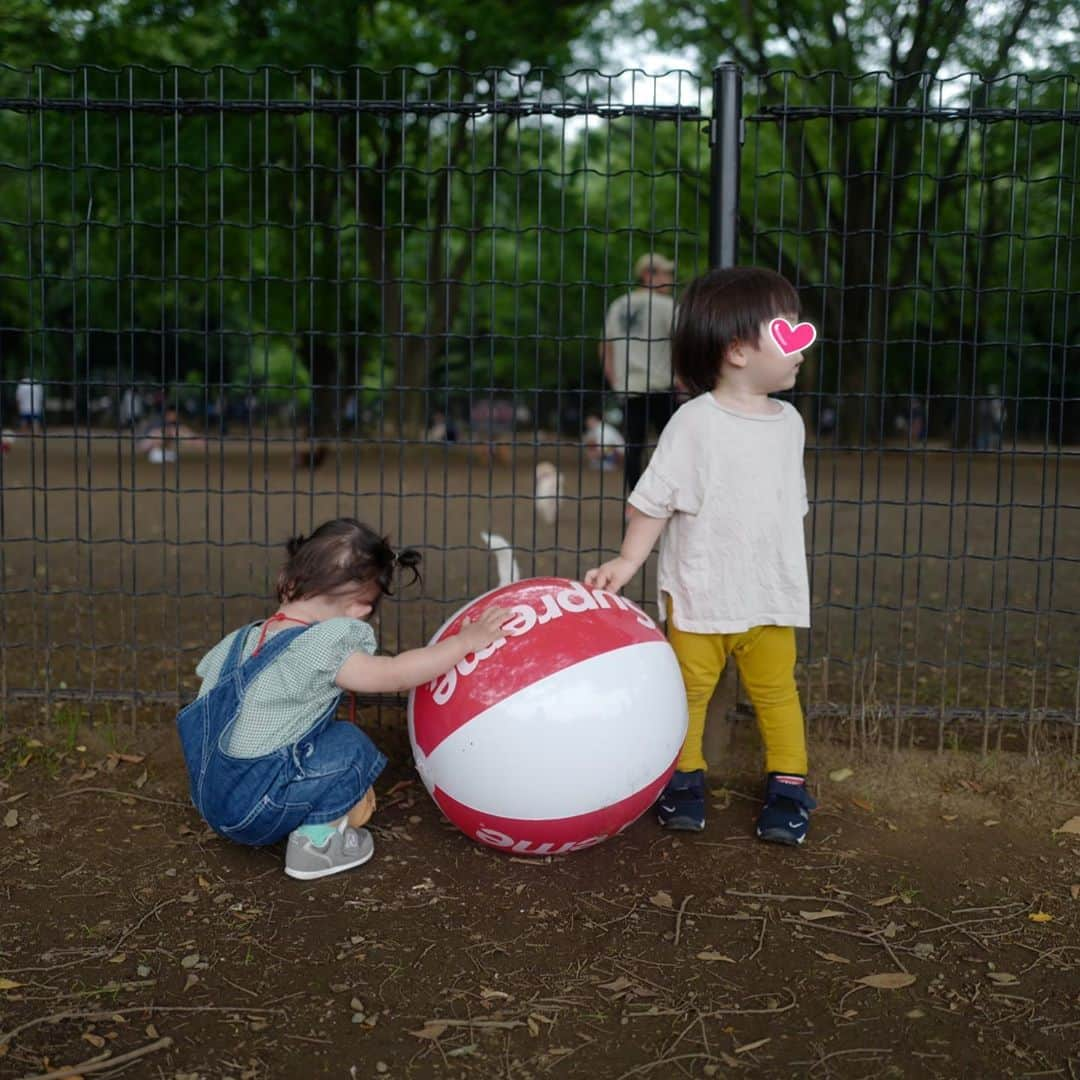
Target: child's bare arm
[[641, 535], [390, 674]]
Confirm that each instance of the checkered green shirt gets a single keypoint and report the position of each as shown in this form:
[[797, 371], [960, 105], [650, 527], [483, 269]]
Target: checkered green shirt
[[289, 695]]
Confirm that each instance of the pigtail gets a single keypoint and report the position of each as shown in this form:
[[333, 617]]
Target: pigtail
[[409, 559]]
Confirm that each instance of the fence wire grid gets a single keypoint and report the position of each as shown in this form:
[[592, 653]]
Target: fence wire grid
[[236, 303]]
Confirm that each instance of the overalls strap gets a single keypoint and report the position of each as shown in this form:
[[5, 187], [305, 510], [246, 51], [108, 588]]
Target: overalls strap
[[248, 669]]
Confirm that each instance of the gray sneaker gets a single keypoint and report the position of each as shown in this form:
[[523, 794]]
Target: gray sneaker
[[344, 850]]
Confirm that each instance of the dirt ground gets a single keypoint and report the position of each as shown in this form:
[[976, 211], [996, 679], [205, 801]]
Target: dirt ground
[[930, 928], [940, 580]]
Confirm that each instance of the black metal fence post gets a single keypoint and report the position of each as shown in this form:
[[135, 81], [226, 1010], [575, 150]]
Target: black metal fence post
[[726, 139]]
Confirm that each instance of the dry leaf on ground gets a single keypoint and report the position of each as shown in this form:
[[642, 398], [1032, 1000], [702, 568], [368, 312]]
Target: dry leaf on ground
[[710, 954], [431, 1030], [661, 899], [824, 913], [832, 957], [838, 776], [1072, 826], [890, 980]]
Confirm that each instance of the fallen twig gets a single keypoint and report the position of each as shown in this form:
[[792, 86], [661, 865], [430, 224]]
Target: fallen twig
[[649, 1066], [108, 988], [586, 1041], [1041, 956], [87, 1014], [123, 795], [804, 899], [761, 938], [872, 937], [973, 922], [104, 1062], [841, 1053], [679, 917], [127, 933], [502, 1024], [736, 1011], [988, 907], [682, 1034], [91, 954]]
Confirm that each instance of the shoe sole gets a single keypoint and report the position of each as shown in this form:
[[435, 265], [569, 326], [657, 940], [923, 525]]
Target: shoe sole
[[683, 825], [311, 875], [778, 836]]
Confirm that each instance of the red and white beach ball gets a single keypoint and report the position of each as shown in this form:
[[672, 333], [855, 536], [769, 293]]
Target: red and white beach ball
[[559, 734]]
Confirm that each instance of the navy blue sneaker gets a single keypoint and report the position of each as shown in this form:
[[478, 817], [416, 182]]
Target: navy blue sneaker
[[682, 803], [785, 817]]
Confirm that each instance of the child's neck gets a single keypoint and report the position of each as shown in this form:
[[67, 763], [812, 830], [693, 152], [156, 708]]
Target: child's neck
[[311, 610], [732, 395]]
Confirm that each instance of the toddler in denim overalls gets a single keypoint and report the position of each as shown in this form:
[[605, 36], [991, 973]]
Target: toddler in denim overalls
[[265, 755]]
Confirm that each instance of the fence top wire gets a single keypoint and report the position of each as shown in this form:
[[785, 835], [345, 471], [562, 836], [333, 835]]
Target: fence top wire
[[789, 113], [426, 70], [929, 94], [491, 92], [185, 106], [543, 92], [929, 78]]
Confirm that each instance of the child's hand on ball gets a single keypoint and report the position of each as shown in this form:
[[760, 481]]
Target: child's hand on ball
[[613, 575], [481, 632]]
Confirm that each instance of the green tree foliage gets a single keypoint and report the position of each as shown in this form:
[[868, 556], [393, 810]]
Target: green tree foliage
[[403, 218], [932, 238], [347, 225]]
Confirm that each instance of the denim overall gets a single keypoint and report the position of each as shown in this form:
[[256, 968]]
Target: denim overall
[[259, 800]]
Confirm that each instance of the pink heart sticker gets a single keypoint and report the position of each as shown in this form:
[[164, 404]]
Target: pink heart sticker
[[792, 339]]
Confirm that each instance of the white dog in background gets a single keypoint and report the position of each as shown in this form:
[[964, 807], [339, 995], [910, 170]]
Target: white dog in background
[[506, 566], [549, 492]]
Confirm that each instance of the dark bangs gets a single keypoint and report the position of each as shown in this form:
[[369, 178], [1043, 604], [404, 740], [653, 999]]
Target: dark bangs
[[720, 308]]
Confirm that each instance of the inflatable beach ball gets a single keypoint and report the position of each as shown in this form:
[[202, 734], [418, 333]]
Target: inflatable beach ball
[[560, 733]]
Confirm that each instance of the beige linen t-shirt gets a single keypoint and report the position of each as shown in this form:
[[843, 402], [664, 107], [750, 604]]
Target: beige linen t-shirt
[[638, 326], [733, 486]]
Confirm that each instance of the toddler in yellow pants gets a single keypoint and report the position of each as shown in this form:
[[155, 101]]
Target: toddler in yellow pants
[[725, 494]]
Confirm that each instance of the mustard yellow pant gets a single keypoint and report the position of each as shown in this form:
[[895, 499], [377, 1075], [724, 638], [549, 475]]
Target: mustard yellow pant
[[765, 656]]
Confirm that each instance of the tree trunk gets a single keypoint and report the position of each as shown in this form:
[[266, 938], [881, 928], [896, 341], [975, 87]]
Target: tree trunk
[[865, 262]]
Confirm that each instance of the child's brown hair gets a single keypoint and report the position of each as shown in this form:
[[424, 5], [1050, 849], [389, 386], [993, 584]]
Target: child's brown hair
[[339, 554], [720, 309]]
